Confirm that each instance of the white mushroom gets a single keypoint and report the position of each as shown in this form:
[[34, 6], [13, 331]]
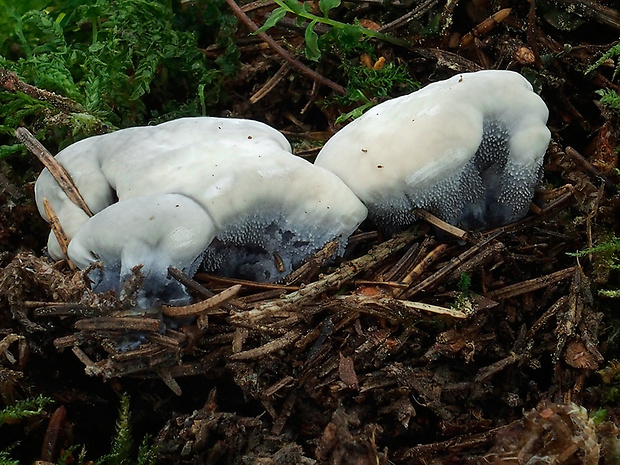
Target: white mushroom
[[274, 211], [469, 149], [271, 209], [97, 164], [153, 231]]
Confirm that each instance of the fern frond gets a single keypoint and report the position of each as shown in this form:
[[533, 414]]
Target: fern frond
[[24, 409], [612, 53]]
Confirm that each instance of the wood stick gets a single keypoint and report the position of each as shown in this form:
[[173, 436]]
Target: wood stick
[[202, 307], [60, 174], [344, 273], [530, 285], [58, 230], [239, 13]]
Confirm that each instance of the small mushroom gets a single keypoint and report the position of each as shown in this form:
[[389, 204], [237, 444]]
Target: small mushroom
[[468, 149], [154, 232], [270, 209]]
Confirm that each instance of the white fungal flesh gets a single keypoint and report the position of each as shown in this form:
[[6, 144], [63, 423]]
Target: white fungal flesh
[[98, 164], [270, 210], [469, 149], [153, 231]]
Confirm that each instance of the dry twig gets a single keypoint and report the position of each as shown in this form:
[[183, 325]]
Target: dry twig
[[59, 231], [11, 82], [239, 13], [270, 347], [530, 285], [346, 271], [206, 306], [60, 174], [397, 305]]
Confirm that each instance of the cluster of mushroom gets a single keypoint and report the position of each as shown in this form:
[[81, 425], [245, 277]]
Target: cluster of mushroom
[[226, 192], [229, 193]]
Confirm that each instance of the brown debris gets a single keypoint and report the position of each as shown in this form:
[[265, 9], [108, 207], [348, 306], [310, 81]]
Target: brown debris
[[59, 232], [346, 371], [551, 433], [343, 274], [208, 435], [282, 52], [423, 348], [485, 26], [530, 285], [338, 445], [11, 82], [296, 348], [205, 307], [52, 434]]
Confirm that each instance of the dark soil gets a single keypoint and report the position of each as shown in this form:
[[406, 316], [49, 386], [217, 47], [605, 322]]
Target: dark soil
[[351, 370]]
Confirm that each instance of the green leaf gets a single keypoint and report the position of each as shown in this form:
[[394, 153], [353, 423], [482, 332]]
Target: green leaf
[[353, 114], [312, 43], [294, 6], [326, 5], [353, 33], [275, 16], [599, 416]]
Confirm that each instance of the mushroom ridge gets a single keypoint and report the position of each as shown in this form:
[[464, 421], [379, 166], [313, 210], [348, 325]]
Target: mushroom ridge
[[154, 232]]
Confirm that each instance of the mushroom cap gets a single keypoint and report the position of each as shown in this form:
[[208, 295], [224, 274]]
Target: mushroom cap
[[233, 179], [262, 199], [97, 163], [153, 231], [469, 149], [279, 204]]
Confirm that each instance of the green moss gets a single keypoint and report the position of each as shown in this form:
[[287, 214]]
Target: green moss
[[608, 253], [613, 53], [122, 450], [367, 86], [122, 444], [122, 63], [609, 97], [23, 409]]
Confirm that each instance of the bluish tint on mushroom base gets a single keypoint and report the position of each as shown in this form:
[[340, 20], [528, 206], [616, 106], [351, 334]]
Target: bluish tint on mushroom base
[[262, 211]]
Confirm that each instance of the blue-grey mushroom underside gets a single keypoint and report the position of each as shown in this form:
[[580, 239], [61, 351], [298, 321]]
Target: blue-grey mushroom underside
[[469, 149]]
